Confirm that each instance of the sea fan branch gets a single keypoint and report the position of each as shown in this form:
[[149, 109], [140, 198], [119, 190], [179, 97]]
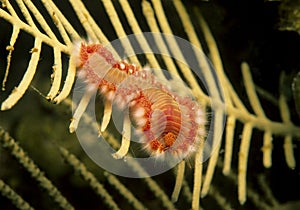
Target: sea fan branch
[[10, 48], [229, 103], [114, 181], [19, 91], [32, 31], [89, 177], [285, 115], [149, 15], [153, 186], [11, 145], [62, 23], [16, 199], [48, 38]]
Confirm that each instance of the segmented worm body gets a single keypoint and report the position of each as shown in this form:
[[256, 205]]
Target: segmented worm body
[[167, 123]]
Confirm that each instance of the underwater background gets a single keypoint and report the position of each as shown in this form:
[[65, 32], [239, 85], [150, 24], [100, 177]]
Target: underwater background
[[263, 33]]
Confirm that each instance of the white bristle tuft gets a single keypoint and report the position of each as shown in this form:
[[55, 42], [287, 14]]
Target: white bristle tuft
[[140, 112]]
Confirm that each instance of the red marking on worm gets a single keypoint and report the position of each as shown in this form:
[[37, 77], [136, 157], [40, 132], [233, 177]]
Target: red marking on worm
[[168, 122]]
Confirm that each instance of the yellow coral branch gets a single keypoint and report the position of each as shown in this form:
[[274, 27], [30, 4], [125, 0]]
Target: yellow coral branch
[[54, 11], [179, 180], [19, 91], [285, 115], [113, 15], [229, 138], [197, 177], [243, 162], [123, 150], [10, 48], [71, 73], [32, 31], [174, 48], [56, 75]]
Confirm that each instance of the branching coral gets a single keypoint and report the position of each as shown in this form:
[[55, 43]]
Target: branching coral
[[13, 196], [9, 143], [60, 38]]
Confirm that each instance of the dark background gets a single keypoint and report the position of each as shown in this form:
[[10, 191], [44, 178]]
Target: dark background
[[252, 31]]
